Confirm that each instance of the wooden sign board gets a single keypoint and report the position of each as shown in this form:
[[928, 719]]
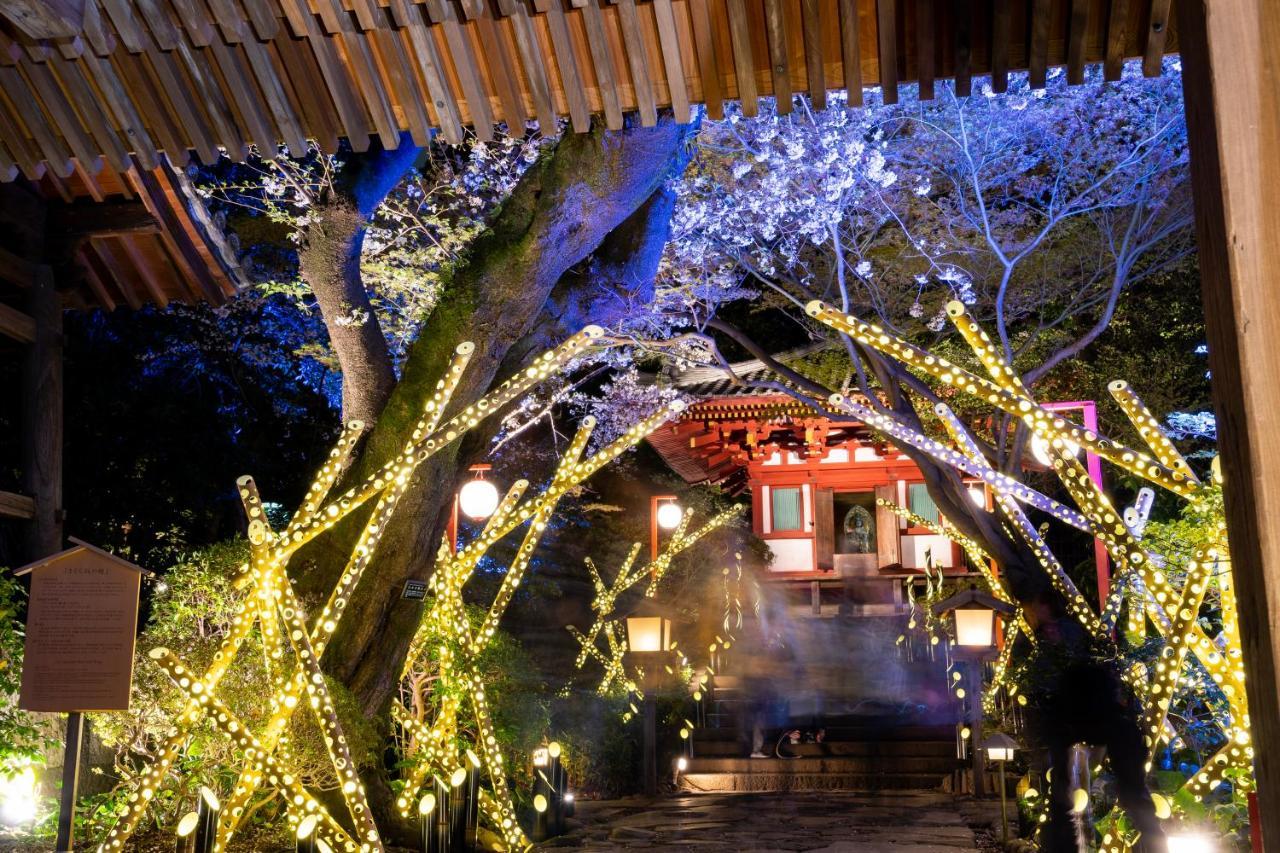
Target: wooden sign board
[[81, 623]]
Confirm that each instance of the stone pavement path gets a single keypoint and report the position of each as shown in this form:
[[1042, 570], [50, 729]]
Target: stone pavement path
[[821, 822]]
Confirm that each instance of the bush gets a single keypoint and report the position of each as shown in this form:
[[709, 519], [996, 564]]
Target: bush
[[191, 615]]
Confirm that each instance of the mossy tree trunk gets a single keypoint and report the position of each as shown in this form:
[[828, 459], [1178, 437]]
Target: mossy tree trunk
[[567, 206], [329, 262]]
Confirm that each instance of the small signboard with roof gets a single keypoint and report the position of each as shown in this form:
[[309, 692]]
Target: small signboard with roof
[[81, 623]]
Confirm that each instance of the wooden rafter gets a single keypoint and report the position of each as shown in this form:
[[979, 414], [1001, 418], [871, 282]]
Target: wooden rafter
[[135, 78]]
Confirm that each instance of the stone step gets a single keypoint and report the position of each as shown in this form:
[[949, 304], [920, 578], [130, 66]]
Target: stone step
[[732, 747], [865, 764], [859, 733], [794, 781]]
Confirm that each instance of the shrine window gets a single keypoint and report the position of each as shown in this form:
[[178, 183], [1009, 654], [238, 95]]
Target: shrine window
[[787, 508]]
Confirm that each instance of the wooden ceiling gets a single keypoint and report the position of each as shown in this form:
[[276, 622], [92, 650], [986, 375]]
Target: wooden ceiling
[[88, 81], [115, 239]]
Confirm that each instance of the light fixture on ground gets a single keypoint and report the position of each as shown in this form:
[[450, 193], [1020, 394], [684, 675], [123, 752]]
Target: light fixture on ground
[[1191, 842], [18, 797], [478, 498], [974, 622], [1000, 748]]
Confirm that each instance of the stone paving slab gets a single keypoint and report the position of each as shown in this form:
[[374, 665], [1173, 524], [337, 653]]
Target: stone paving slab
[[810, 822]]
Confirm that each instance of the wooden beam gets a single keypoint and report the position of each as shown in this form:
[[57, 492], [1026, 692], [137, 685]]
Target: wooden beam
[[1231, 89], [108, 219], [887, 39], [1038, 43], [813, 27], [963, 23], [17, 506], [1157, 34], [708, 64], [925, 48], [1001, 28], [16, 270], [42, 417], [775, 24], [851, 51], [665, 16], [744, 67], [45, 19], [1077, 27], [1117, 22], [17, 325]]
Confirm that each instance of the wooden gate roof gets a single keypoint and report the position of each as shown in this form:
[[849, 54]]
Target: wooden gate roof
[[118, 79]]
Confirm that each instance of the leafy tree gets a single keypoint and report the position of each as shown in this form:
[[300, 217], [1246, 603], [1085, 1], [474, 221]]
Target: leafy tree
[[23, 736], [166, 408]]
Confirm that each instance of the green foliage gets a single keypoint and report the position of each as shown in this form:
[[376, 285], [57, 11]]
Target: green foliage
[[512, 685], [601, 750], [23, 735], [191, 617]]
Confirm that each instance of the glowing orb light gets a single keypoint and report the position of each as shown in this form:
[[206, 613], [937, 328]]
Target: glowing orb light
[[478, 499], [669, 515]]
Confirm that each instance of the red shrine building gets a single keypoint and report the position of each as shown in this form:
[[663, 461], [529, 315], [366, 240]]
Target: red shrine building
[[814, 484]]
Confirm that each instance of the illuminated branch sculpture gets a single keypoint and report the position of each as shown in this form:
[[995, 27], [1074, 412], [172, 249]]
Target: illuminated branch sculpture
[[291, 644], [1172, 609], [629, 576], [433, 749]]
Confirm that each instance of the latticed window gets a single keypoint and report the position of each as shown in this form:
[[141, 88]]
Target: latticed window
[[786, 508], [920, 502]]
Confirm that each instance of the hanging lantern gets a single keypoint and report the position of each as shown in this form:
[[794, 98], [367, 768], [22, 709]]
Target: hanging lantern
[[479, 498]]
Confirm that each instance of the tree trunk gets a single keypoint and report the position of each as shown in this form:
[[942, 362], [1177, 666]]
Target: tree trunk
[[560, 211], [329, 261]]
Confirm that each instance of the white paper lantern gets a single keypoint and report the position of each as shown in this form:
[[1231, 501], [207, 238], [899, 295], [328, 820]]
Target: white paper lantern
[[478, 499]]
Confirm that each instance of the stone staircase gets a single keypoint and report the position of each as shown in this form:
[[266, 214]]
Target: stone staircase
[[889, 724], [854, 758]]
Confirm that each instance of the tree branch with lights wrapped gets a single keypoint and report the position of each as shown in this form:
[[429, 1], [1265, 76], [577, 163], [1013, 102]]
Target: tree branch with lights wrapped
[[1167, 593]]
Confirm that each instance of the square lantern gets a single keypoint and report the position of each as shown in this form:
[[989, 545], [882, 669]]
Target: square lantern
[[648, 633], [1000, 747], [974, 613]]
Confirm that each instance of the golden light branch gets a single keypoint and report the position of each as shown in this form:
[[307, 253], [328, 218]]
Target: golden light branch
[[1172, 607], [294, 645]]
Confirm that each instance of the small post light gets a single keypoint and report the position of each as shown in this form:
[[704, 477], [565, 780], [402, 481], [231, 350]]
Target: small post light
[[681, 765], [570, 802], [207, 809], [426, 818], [186, 828], [305, 835], [556, 775], [540, 806], [1000, 748], [1191, 842], [458, 811], [472, 817], [478, 498]]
